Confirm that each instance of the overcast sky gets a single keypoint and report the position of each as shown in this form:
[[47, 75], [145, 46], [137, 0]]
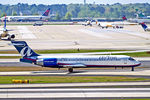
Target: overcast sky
[[49, 2]]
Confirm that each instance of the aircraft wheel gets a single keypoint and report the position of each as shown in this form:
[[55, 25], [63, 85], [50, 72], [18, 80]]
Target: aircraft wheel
[[132, 69], [70, 70], [9, 38]]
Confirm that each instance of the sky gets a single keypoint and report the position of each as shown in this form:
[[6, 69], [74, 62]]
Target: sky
[[49, 2]]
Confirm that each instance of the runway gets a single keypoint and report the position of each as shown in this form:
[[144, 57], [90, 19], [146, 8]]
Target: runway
[[75, 93]]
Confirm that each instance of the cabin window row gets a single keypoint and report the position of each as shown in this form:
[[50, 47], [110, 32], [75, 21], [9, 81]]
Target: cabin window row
[[90, 59]]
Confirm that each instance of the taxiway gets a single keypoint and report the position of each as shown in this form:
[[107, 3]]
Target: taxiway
[[78, 93], [78, 36]]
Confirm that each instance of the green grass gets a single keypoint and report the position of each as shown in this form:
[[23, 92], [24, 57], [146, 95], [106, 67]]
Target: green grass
[[26, 68], [73, 51], [61, 51], [10, 57], [137, 54], [68, 79], [52, 51], [125, 99]]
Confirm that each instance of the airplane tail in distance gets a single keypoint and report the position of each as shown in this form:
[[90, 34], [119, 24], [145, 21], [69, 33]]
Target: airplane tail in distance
[[5, 23], [124, 18], [23, 49], [46, 13], [144, 25]]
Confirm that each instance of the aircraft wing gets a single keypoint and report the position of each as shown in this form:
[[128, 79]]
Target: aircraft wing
[[74, 65], [7, 29]]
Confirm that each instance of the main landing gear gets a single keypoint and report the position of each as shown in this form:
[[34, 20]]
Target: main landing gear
[[70, 70]]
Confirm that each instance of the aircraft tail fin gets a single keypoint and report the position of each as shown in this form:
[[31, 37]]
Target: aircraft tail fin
[[23, 49], [140, 15], [144, 25], [46, 13], [5, 23], [124, 18]]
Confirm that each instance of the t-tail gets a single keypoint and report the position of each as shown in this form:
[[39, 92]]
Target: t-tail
[[28, 55], [46, 13], [124, 18], [144, 26]]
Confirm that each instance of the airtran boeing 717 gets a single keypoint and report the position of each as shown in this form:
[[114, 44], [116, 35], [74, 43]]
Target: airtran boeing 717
[[70, 62]]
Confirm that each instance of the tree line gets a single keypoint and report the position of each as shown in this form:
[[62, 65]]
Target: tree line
[[63, 11]]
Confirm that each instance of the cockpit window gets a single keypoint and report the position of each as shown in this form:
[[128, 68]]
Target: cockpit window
[[131, 59]]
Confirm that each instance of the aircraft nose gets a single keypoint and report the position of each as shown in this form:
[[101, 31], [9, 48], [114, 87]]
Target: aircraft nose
[[138, 63]]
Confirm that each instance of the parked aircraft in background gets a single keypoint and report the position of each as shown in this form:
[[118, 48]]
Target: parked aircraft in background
[[136, 20], [80, 61], [145, 27], [45, 16], [88, 23], [107, 25], [124, 18], [141, 15], [5, 32]]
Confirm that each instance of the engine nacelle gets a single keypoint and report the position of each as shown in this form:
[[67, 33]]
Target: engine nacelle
[[12, 36], [47, 62]]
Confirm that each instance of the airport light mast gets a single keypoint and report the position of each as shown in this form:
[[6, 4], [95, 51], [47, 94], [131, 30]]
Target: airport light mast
[[84, 2]]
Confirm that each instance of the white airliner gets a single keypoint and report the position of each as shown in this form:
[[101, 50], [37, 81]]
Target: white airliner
[[45, 16], [80, 61], [89, 22], [137, 20]]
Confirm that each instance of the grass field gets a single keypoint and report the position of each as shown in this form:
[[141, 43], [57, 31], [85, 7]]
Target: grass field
[[10, 57], [136, 54], [61, 51], [125, 99], [39, 68], [68, 79], [14, 68]]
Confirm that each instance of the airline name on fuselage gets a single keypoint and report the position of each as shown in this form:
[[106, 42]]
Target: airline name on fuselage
[[90, 59]]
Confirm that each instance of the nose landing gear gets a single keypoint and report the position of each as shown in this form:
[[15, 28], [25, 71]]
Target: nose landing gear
[[132, 69]]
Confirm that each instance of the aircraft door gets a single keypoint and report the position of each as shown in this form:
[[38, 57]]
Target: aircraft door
[[125, 61]]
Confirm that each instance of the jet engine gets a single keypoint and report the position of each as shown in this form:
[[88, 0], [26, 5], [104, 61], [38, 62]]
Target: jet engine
[[12, 36], [47, 62]]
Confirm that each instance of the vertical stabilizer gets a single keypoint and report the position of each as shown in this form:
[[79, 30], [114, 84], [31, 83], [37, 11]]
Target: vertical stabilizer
[[46, 13], [5, 23], [124, 18], [144, 26], [24, 49]]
